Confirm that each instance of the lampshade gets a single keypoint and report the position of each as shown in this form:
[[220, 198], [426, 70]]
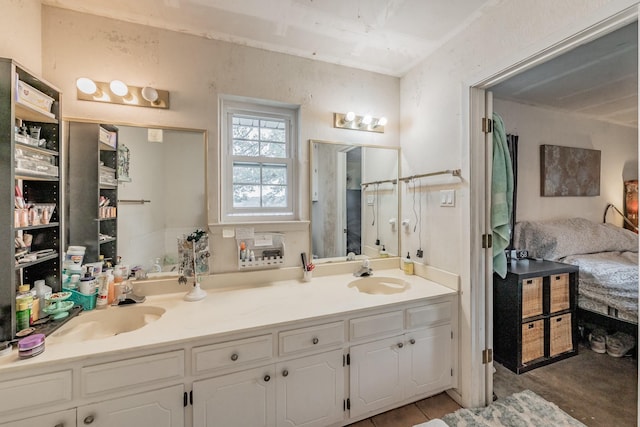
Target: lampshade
[[118, 87], [149, 93]]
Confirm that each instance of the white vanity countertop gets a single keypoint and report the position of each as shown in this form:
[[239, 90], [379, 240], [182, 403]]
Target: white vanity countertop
[[227, 311]]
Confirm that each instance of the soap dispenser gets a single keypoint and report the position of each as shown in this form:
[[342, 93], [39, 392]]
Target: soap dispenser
[[383, 252], [407, 265]]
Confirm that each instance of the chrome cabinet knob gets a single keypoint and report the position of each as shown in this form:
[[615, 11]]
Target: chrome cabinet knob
[[412, 341], [267, 378], [400, 345], [315, 340], [285, 373], [88, 419], [234, 356]]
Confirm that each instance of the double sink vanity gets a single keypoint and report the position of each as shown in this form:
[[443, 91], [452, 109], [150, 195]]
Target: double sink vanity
[[328, 352]]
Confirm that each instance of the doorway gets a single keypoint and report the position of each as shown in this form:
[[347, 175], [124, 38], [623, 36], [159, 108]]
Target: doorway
[[481, 106]]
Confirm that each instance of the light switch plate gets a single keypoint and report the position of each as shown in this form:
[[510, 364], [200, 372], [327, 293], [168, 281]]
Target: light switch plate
[[370, 200], [447, 198]]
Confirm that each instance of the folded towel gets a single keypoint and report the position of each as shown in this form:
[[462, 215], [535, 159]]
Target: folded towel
[[501, 196]]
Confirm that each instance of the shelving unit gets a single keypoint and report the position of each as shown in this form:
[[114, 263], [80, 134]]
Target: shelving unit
[[92, 176], [534, 314], [39, 183]]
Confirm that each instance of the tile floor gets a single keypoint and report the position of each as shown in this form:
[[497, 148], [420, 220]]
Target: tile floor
[[412, 414]]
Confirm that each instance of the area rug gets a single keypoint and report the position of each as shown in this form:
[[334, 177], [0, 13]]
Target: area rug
[[522, 409]]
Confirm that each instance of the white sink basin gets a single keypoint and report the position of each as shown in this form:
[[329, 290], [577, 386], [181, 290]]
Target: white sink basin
[[99, 324], [379, 285]]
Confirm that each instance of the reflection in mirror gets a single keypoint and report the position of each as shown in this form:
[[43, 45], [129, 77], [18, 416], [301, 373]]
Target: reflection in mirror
[[354, 200], [162, 197]]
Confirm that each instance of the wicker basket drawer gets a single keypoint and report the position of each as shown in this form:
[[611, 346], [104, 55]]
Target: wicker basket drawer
[[559, 292], [561, 339], [531, 297], [532, 341]]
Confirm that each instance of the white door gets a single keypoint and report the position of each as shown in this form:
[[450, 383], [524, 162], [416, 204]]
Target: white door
[[430, 360], [310, 390], [481, 155], [159, 408], [375, 375], [242, 399]]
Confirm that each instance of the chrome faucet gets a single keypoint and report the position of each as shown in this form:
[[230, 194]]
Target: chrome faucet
[[365, 269], [127, 296]]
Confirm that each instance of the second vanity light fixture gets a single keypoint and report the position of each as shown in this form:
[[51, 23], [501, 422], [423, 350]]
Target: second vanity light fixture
[[354, 122], [117, 92]]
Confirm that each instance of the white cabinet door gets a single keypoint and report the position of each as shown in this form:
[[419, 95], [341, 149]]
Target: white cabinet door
[[58, 419], [241, 399], [310, 390], [158, 408], [376, 375], [429, 361]]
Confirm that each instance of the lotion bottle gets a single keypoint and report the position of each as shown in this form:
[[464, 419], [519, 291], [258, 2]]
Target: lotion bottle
[[407, 265]]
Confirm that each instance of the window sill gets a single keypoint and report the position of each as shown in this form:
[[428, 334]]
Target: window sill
[[272, 226]]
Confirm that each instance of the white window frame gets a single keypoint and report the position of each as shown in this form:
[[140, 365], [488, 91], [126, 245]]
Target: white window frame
[[230, 106]]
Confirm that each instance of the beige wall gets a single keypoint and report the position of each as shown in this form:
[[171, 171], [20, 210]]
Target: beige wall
[[196, 71], [536, 126], [21, 29], [435, 135]]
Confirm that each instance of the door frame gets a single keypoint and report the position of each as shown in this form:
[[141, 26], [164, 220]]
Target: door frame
[[608, 19]]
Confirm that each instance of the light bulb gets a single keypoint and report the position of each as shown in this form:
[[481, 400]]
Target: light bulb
[[150, 94], [382, 121], [349, 117], [118, 87], [86, 85], [366, 120]]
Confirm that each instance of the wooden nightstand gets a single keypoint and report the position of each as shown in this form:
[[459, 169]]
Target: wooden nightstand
[[534, 314]]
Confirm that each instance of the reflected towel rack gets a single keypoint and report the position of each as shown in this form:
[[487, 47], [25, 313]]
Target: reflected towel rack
[[366, 184], [453, 172], [137, 202]]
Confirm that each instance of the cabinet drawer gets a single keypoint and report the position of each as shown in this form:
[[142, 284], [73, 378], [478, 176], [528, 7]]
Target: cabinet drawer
[[38, 390], [532, 341], [428, 315], [372, 326], [322, 336], [559, 292], [62, 418], [129, 373], [232, 353], [531, 297], [561, 338]]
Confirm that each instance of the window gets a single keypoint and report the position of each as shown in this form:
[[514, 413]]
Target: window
[[258, 160]]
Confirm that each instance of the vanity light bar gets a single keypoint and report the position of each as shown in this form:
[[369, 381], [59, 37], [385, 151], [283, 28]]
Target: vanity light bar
[[117, 92], [354, 122]]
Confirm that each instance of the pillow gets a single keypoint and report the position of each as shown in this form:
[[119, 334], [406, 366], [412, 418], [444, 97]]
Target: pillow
[[555, 239]]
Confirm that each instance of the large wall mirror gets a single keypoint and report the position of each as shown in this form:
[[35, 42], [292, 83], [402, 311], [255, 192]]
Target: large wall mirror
[[161, 193], [354, 200], [163, 197]]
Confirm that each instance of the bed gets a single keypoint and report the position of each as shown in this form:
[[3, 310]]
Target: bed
[[606, 255]]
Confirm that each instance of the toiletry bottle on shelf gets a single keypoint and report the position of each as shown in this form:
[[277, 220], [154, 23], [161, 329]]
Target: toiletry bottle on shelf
[[156, 268], [43, 292], [407, 264]]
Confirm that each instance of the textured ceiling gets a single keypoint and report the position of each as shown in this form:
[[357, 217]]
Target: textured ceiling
[[598, 79], [385, 36]]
